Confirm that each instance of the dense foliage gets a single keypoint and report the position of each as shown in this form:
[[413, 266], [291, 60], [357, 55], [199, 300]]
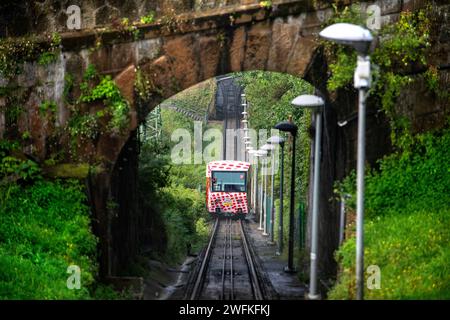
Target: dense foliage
[[174, 193], [103, 89], [407, 234], [269, 96], [196, 99], [16, 51], [406, 200], [403, 49], [45, 227]]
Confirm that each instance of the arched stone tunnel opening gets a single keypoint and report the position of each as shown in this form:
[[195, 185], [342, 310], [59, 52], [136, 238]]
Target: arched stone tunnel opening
[[41, 107], [134, 230]]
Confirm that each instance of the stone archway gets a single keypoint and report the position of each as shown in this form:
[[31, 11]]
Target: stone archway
[[187, 60], [174, 56]]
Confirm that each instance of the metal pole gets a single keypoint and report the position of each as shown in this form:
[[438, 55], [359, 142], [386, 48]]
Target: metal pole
[[252, 182], [272, 202], [360, 196], [342, 220], [256, 194], [290, 267], [261, 196], [280, 217], [265, 199], [313, 294]]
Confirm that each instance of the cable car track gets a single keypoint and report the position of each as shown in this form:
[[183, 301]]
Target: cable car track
[[228, 268]]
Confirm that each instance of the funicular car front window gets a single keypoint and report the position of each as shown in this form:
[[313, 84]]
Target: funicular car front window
[[228, 181]]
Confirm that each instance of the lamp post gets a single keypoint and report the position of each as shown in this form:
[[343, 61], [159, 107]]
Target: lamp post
[[292, 129], [248, 144], [316, 103], [256, 156], [360, 39], [251, 152], [269, 148], [262, 154], [272, 185], [280, 141]]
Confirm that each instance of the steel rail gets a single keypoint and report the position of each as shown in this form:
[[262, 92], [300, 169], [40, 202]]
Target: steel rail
[[254, 279], [224, 266], [202, 271]]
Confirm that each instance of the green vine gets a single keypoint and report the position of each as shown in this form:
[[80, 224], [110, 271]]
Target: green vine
[[85, 125], [342, 60], [404, 46], [149, 18], [95, 88], [46, 106], [68, 86], [144, 86], [15, 51], [266, 4], [108, 92]]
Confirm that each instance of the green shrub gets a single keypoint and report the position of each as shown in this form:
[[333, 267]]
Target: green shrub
[[171, 193], [44, 228], [17, 169], [406, 230], [410, 248], [184, 220], [46, 58], [107, 92], [149, 18]]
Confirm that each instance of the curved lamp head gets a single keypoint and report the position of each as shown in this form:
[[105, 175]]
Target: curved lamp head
[[349, 34], [309, 101], [268, 147], [287, 127], [276, 140], [262, 153]]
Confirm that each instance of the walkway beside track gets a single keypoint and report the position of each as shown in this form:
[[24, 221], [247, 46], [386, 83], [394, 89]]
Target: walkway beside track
[[287, 286]]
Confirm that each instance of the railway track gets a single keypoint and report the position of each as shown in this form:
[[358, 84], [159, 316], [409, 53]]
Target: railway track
[[228, 269]]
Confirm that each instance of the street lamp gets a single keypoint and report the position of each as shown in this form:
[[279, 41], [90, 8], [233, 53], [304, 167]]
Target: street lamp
[[315, 103], [251, 152], [278, 140], [269, 148], [262, 154], [256, 156], [292, 129], [360, 39]]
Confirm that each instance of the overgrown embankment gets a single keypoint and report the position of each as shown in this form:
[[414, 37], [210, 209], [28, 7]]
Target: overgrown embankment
[[45, 227], [406, 200], [407, 231], [173, 194], [269, 95]]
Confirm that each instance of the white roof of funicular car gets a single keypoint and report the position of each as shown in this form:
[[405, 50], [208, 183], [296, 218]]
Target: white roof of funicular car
[[226, 165]]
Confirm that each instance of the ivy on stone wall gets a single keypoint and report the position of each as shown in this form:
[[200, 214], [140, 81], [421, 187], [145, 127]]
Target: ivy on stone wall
[[403, 49], [95, 88], [15, 51]]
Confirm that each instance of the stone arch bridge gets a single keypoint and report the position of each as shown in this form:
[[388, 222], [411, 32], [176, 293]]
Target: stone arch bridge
[[168, 56]]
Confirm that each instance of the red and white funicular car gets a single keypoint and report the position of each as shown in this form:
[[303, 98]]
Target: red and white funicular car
[[227, 187]]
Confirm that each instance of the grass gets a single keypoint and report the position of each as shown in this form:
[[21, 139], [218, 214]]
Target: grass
[[45, 228], [412, 252], [407, 232]]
